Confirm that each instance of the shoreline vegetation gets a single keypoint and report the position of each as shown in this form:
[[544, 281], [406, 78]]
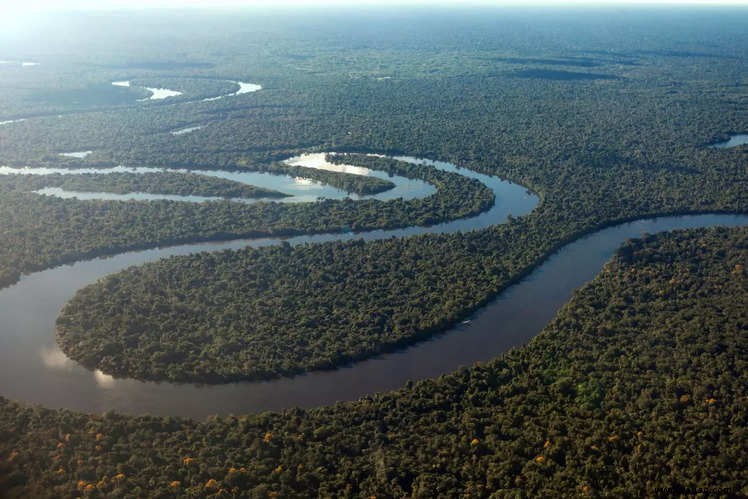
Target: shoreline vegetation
[[93, 225], [184, 355], [636, 384], [270, 280], [592, 391]]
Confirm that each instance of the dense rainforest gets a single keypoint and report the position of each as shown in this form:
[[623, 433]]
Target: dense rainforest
[[596, 150], [279, 311], [638, 383], [65, 228]]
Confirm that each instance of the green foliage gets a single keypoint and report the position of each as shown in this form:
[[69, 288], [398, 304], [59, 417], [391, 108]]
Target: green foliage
[[637, 384], [597, 151], [51, 230], [260, 313], [282, 311], [661, 333]]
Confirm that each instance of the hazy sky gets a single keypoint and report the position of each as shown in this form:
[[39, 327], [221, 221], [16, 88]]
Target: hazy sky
[[17, 6], [15, 14]]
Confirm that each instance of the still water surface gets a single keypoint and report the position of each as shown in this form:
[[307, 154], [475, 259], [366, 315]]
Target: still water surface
[[297, 189], [33, 369], [734, 141]]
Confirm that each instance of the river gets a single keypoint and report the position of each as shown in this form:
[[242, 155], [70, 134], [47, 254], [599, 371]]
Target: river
[[33, 369]]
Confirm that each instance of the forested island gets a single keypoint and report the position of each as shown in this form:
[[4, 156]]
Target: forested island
[[636, 384]]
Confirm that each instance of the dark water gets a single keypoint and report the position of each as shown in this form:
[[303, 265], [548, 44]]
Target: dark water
[[33, 369]]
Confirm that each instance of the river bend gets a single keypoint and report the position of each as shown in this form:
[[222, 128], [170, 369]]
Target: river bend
[[33, 369]]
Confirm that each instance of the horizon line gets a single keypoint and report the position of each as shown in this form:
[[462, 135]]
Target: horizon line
[[124, 5]]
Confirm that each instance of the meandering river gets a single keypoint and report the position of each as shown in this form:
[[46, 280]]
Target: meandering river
[[33, 369], [297, 189]]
